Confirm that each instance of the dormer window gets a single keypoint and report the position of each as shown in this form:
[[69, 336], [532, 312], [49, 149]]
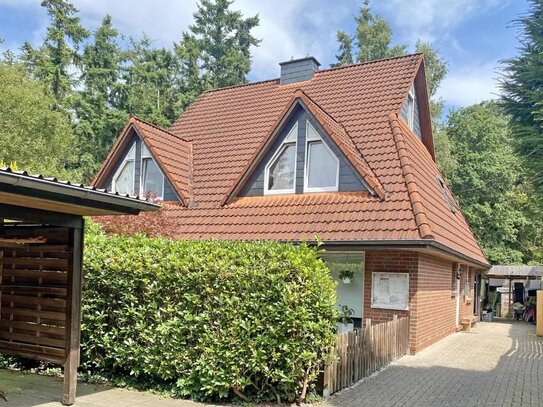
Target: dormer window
[[123, 181], [321, 164], [152, 180], [411, 107], [280, 174], [453, 206]]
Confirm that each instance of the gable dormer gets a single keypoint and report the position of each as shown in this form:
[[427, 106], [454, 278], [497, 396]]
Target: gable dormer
[[410, 112], [415, 110], [303, 158], [148, 161]]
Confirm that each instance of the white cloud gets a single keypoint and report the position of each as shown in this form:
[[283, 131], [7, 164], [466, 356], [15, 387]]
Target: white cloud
[[287, 29], [470, 84], [431, 19]]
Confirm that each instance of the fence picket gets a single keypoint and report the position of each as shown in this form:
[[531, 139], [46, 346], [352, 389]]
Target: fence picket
[[359, 353]]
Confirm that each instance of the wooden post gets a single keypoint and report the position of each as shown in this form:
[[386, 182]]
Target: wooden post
[[510, 300], [73, 320], [539, 312]]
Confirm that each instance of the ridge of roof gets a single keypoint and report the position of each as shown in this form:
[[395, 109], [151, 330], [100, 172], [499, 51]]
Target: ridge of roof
[[241, 85], [373, 61], [414, 196], [320, 71], [136, 118], [358, 161]]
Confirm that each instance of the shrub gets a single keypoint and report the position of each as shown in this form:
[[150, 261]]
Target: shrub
[[207, 319]]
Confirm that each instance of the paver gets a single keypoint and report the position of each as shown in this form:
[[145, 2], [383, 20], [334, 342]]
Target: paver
[[496, 364]]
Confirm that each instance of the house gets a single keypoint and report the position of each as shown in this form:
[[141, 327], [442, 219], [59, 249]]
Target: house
[[345, 154]]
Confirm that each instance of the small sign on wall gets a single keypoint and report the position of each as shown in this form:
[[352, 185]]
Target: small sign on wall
[[390, 291]]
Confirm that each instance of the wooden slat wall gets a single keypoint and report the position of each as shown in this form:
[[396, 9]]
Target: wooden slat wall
[[33, 293], [359, 353]]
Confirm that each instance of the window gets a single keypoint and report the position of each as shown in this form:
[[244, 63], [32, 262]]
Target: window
[[280, 174], [411, 107], [453, 206], [321, 164], [152, 179], [123, 181]]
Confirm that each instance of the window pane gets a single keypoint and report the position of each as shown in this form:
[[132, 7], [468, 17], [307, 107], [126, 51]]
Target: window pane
[[124, 183], [152, 179], [322, 166], [281, 173]]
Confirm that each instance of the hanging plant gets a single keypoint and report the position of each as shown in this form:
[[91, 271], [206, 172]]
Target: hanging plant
[[346, 276]]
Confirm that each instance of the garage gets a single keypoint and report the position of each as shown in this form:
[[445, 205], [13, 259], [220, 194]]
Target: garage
[[41, 254]]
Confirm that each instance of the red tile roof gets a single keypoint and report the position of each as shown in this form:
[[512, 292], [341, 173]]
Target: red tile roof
[[359, 106]]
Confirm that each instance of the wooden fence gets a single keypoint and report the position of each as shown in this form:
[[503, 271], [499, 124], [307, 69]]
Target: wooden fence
[[361, 352]]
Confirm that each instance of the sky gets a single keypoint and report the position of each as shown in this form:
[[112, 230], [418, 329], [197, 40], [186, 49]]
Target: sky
[[472, 35]]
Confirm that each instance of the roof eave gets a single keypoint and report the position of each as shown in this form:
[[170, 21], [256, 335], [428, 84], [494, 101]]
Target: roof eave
[[37, 188], [405, 244]]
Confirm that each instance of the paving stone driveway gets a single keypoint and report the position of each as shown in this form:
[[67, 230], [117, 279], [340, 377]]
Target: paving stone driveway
[[496, 364]]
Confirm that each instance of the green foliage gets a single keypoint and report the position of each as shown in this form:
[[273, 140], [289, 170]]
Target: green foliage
[[374, 36], [345, 56], [52, 61], [487, 180], [207, 319], [222, 39], [151, 90], [97, 104], [29, 127], [522, 92]]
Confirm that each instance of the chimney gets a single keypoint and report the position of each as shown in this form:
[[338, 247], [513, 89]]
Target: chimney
[[298, 70]]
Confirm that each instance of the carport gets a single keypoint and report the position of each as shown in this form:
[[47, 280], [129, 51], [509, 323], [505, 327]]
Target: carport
[[41, 253], [512, 273]]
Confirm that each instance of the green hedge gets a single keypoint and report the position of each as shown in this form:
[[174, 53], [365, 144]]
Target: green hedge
[[207, 319]]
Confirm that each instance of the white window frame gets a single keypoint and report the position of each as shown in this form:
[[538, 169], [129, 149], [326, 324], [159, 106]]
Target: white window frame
[[282, 147], [121, 167], [307, 157], [411, 107], [146, 154], [404, 276]]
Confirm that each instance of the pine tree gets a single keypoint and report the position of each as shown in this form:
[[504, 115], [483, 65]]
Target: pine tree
[[97, 104], [374, 36], [190, 83], [522, 92], [152, 83], [345, 56], [52, 62], [224, 40]]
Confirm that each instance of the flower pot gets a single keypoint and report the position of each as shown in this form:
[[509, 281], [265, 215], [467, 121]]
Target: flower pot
[[341, 327], [346, 280]]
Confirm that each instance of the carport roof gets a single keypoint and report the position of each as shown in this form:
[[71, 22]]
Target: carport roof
[[20, 189], [515, 271]]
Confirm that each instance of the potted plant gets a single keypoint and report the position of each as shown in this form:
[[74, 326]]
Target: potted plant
[[345, 323], [346, 276]]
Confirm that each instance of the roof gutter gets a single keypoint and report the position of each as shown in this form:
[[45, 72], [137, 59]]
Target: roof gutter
[[403, 244], [79, 192]]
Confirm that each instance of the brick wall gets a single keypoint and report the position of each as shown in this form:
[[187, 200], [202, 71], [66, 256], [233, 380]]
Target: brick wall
[[387, 261], [432, 304]]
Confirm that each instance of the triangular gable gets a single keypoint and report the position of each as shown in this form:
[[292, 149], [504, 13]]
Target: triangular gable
[[172, 154], [425, 116], [336, 132]]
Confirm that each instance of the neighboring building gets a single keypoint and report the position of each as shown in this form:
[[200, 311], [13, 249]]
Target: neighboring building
[[345, 154]]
